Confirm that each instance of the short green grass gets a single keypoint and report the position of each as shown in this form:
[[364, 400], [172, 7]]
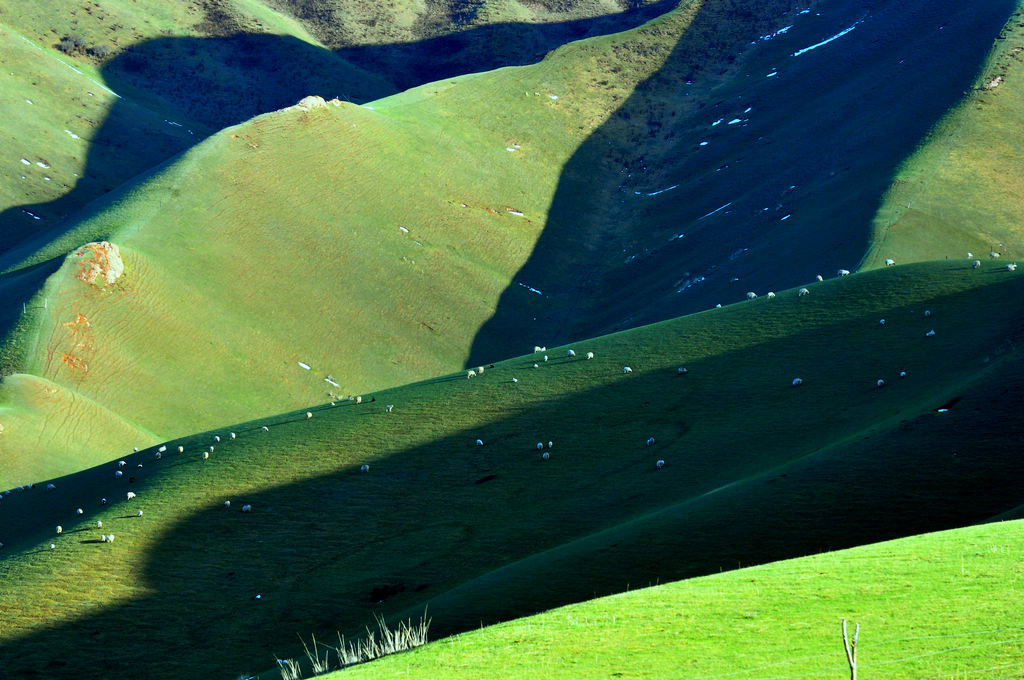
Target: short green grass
[[757, 470], [943, 605]]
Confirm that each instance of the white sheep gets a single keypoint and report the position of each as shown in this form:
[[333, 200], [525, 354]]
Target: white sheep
[[994, 255], [479, 370], [389, 408], [206, 455], [211, 449], [536, 365], [79, 511], [107, 538], [538, 348], [545, 456], [162, 449], [99, 524], [227, 504], [364, 468], [103, 501], [889, 262], [682, 370], [970, 255], [266, 429], [751, 295], [471, 373], [659, 464], [771, 295], [930, 333], [545, 357], [590, 355], [309, 415], [246, 508], [53, 546], [359, 400], [881, 322], [797, 382], [803, 291], [131, 495], [121, 463], [550, 444], [216, 438], [650, 441], [627, 369], [976, 264], [479, 442], [232, 435], [139, 513], [843, 272], [158, 455], [60, 529], [181, 449], [879, 383], [571, 353], [540, 446], [927, 312], [515, 380], [1011, 266], [51, 487], [903, 374]]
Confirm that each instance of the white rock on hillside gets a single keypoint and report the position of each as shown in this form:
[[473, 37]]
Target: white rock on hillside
[[99, 263]]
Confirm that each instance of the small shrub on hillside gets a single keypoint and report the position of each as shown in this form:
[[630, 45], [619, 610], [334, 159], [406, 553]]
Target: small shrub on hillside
[[100, 51], [71, 44]]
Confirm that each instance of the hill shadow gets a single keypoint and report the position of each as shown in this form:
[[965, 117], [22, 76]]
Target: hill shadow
[[417, 530], [179, 90], [753, 160]]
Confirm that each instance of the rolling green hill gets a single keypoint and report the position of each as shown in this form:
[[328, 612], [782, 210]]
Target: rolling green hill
[[444, 224], [408, 259], [756, 470]]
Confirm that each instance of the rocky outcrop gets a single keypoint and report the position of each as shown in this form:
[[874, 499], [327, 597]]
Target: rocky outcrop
[[99, 263]]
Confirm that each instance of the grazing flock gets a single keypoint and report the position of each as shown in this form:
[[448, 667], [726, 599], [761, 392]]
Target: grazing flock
[[544, 448]]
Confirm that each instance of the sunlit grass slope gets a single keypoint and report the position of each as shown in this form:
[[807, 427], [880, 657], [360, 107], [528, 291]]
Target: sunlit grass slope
[[941, 605], [369, 243], [962, 190], [756, 470]]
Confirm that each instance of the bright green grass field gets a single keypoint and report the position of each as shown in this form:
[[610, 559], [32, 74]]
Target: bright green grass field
[[941, 605], [756, 470]]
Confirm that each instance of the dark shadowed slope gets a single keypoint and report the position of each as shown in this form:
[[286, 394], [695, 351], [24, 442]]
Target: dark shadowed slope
[[752, 171]]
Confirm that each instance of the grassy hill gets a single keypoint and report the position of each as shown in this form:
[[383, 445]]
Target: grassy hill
[[453, 204], [941, 605], [958, 193], [756, 470], [96, 95], [410, 252]]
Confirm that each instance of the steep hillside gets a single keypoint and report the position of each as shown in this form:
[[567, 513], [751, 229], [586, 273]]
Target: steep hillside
[[413, 213], [755, 470], [962, 190], [102, 93], [942, 605], [67, 139]]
